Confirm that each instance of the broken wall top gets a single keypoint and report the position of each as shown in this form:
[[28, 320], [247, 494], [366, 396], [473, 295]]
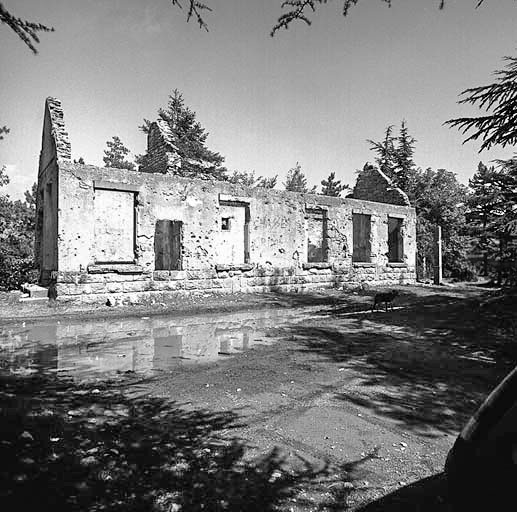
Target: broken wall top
[[373, 185], [54, 144], [60, 136]]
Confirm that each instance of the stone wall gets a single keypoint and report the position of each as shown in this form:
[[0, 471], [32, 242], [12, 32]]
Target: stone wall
[[277, 238], [373, 185], [55, 148], [96, 229]]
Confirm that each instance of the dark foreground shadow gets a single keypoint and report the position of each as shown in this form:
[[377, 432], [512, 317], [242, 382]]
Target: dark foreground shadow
[[75, 447], [426, 495]]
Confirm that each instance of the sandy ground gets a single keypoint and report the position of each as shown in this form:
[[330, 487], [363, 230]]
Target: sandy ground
[[338, 407]]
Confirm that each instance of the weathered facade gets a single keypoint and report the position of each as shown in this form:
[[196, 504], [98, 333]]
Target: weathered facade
[[141, 236]]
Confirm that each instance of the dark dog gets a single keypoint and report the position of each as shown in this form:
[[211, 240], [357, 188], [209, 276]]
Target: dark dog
[[386, 297]]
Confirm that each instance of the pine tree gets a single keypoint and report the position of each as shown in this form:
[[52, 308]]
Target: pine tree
[[386, 154], [332, 187], [484, 203], [404, 164], [506, 225], [499, 99], [115, 155], [264, 182], [296, 180], [248, 179], [189, 138]]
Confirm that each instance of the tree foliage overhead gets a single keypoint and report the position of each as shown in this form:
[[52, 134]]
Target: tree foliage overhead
[[301, 10], [3, 129], [115, 155], [27, 31], [189, 138], [332, 187], [195, 10], [499, 100], [296, 10]]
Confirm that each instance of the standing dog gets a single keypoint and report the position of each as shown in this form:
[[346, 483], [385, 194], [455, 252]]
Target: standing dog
[[386, 297]]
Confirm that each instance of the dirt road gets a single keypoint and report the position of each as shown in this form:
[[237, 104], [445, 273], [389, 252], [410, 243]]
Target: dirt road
[[309, 402]]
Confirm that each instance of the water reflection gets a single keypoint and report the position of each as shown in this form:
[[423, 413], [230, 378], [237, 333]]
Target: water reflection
[[83, 348]]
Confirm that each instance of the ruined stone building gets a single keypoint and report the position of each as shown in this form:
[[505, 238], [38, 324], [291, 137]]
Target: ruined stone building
[[137, 236]]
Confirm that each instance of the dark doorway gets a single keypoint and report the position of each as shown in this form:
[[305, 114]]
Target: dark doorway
[[167, 245]]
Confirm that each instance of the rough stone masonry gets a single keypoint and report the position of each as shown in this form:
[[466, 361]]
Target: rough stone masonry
[[136, 236]]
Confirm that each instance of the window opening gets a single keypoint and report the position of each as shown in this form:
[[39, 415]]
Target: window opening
[[395, 241], [362, 248]]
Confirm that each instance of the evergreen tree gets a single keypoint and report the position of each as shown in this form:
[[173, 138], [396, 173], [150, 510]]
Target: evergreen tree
[[189, 138], [296, 180], [248, 179], [506, 224], [332, 187], [267, 182], [115, 155], [395, 156], [499, 100], [27, 31], [403, 157], [485, 208], [386, 154]]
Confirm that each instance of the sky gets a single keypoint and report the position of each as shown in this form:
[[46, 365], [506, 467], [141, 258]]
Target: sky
[[312, 95]]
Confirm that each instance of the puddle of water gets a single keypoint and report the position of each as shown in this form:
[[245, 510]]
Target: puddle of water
[[92, 348]]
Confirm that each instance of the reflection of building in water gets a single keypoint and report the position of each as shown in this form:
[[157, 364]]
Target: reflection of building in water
[[134, 344], [233, 340], [28, 350]]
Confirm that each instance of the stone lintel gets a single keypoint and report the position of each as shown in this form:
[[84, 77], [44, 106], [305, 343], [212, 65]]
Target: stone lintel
[[228, 198], [116, 185], [315, 206]]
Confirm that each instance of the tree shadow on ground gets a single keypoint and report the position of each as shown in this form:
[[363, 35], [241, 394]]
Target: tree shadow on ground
[[68, 446], [428, 365]]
